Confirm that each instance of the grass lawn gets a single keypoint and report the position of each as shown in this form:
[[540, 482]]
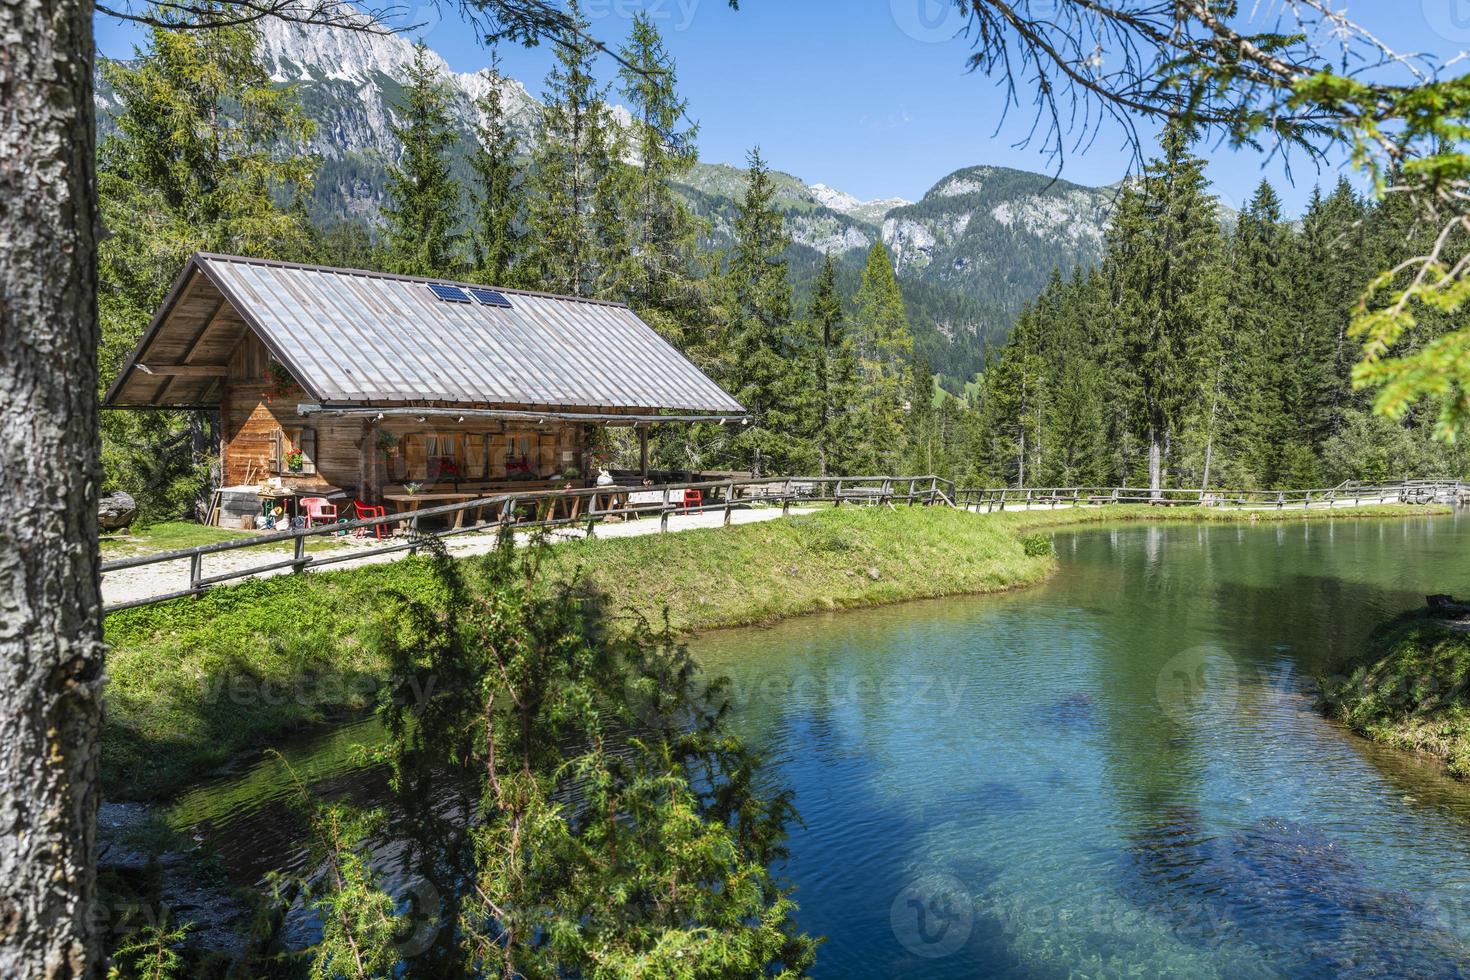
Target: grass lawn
[[194, 681], [175, 535], [1411, 690], [166, 536]]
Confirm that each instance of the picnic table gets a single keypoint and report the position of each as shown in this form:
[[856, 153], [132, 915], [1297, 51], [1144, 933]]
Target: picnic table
[[411, 502]]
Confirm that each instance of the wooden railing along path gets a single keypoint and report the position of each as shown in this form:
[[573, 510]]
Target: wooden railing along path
[[538, 509], [1350, 493]]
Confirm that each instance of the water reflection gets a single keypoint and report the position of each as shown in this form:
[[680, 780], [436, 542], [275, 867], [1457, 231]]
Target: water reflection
[[1116, 774]]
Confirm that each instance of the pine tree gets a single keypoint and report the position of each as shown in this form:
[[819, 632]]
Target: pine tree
[[496, 196], [423, 197], [659, 279], [194, 165], [571, 162], [1164, 238], [766, 352], [885, 357], [836, 377]]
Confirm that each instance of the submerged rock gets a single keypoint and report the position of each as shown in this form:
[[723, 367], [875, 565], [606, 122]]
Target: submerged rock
[[1281, 885], [1075, 711]]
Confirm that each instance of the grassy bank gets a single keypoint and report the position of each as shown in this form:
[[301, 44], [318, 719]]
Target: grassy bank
[[195, 681], [1411, 690]]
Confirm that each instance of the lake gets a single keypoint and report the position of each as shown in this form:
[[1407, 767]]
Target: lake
[[1116, 773]]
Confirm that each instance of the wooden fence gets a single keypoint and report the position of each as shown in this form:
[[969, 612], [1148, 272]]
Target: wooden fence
[[539, 509], [1350, 493]]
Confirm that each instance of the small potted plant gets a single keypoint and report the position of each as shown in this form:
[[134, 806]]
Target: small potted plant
[[412, 488], [295, 460]]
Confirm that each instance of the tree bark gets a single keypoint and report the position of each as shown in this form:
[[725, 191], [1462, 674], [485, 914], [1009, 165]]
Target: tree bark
[[1155, 464], [50, 610]]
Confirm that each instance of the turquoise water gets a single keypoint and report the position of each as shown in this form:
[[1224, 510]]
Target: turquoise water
[[1115, 774]]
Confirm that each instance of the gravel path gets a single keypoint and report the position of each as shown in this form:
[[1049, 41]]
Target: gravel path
[[128, 584]]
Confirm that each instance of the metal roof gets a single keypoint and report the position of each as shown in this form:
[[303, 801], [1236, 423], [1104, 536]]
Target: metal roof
[[357, 337]]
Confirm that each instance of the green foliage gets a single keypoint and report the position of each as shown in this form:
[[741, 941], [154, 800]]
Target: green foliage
[[422, 215], [885, 350], [1037, 545], [192, 165], [1409, 690], [768, 355], [659, 278], [619, 827], [150, 953], [496, 198], [1237, 349], [360, 922], [575, 175]]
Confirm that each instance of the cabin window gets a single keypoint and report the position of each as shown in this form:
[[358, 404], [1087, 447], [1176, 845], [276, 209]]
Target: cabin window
[[293, 451], [450, 457], [520, 454]]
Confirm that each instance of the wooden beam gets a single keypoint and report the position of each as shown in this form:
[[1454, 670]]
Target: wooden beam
[[186, 370], [643, 450], [203, 330]]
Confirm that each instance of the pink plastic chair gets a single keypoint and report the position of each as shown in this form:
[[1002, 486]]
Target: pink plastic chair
[[317, 509]]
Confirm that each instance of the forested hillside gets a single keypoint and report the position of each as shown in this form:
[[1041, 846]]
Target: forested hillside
[[1198, 357], [962, 290], [1167, 348]]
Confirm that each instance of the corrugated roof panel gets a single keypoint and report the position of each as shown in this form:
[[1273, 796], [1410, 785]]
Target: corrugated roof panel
[[359, 337]]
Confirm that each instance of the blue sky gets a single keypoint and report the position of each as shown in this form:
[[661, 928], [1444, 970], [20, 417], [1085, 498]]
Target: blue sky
[[872, 96]]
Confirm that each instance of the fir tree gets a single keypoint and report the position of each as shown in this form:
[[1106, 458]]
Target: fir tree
[[571, 163], [1165, 237], [194, 165], [496, 196], [658, 278], [423, 198], [836, 377], [885, 356], [766, 353]]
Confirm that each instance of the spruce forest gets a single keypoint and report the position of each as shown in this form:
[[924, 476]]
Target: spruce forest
[[1197, 354]]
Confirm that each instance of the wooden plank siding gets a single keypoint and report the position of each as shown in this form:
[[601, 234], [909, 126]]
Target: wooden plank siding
[[259, 423]]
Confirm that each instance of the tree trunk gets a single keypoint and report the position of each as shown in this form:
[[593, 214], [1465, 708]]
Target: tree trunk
[[50, 619], [1155, 464]]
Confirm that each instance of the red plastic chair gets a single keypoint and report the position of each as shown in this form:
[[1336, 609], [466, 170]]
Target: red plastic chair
[[693, 500], [318, 509], [366, 512]]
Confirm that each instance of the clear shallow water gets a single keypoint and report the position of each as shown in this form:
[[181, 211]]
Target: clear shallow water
[[1114, 774]]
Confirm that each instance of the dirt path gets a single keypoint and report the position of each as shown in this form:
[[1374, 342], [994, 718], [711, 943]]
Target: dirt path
[[129, 584]]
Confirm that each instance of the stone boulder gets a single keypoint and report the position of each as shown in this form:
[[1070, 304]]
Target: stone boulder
[[116, 510]]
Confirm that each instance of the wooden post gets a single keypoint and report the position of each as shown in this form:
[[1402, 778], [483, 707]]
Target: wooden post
[[729, 499], [663, 517], [367, 462], [643, 450], [194, 576], [300, 564]]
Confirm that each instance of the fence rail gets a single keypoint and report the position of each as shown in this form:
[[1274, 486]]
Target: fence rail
[[539, 509], [1350, 493]]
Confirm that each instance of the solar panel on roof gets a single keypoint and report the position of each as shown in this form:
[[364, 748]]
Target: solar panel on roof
[[489, 297], [449, 294]]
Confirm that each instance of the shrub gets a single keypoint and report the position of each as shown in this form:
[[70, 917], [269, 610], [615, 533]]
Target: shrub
[[1037, 545]]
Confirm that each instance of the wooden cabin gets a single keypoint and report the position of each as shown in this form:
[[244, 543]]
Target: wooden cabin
[[353, 383]]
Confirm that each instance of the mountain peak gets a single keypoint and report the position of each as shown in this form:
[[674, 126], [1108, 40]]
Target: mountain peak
[[844, 203]]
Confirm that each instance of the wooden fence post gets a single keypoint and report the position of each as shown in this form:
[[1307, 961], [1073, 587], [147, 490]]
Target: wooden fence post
[[195, 564], [729, 500], [300, 564]]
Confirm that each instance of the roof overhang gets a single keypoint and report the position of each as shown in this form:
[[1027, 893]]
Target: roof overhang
[[513, 415]]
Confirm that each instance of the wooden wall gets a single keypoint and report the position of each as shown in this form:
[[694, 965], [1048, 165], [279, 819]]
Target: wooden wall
[[259, 423]]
